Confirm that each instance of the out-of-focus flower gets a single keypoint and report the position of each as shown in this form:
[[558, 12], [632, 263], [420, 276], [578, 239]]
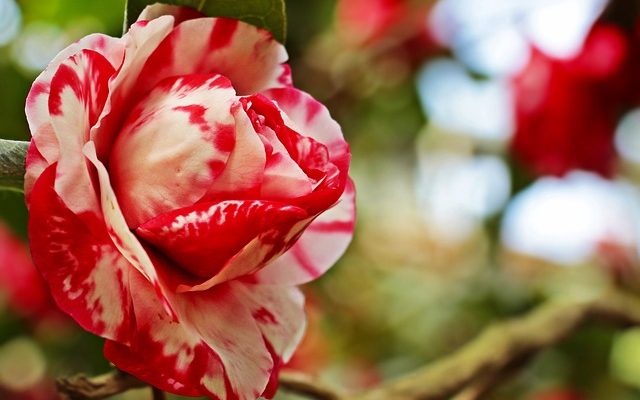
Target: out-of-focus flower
[[179, 189], [567, 110], [25, 291], [391, 29]]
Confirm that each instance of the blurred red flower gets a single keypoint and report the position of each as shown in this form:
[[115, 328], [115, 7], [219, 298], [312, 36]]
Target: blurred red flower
[[398, 26], [567, 109], [20, 283]]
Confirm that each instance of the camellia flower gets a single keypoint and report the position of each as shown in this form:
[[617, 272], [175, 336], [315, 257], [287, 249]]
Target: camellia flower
[[179, 188], [567, 110]]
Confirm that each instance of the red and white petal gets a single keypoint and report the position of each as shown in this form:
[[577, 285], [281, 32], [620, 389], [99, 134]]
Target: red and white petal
[[180, 13], [203, 238], [174, 145], [216, 349], [244, 172], [140, 41], [77, 94], [247, 55], [35, 166], [260, 251], [37, 104], [319, 247], [279, 312], [119, 232], [85, 272], [309, 117], [283, 178]]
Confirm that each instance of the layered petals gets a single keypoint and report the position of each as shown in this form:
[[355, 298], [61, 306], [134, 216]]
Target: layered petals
[[173, 146], [208, 350], [247, 55], [203, 238], [179, 188], [86, 274], [323, 242]]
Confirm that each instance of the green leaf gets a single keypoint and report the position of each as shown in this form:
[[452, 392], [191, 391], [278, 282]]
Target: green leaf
[[13, 154], [267, 14]]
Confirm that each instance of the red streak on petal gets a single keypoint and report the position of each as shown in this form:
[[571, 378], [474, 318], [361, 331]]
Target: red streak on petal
[[222, 33], [196, 115], [305, 262], [225, 138], [333, 226], [265, 316], [69, 78], [313, 108]]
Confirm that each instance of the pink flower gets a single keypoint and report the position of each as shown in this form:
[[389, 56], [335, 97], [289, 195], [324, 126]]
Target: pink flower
[[179, 189]]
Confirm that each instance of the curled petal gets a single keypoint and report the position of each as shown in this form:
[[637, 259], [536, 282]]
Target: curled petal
[[125, 241], [247, 55], [85, 272], [77, 95], [319, 247], [37, 104], [203, 238], [216, 350], [173, 146], [243, 173], [140, 41], [310, 118]]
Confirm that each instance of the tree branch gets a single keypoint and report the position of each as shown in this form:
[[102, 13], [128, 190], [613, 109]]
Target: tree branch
[[302, 384], [81, 387], [12, 164], [496, 348], [470, 371]]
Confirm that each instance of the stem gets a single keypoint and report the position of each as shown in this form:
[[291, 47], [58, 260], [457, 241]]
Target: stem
[[158, 394], [12, 164]]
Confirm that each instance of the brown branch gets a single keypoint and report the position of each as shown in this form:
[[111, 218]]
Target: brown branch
[[494, 349], [471, 371], [302, 384], [81, 387]]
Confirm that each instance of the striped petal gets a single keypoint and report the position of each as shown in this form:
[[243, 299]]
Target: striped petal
[[77, 94], [202, 239], [247, 55], [173, 146], [140, 41], [244, 172], [85, 272], [217, 349], [310, 118], [319, 247], [37, 104], [124, 240]]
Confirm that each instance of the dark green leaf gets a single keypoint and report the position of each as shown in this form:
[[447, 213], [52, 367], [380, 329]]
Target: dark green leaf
[[12, 163], [267, 14]]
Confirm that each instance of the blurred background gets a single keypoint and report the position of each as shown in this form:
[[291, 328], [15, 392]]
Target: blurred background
[[496, 153]]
